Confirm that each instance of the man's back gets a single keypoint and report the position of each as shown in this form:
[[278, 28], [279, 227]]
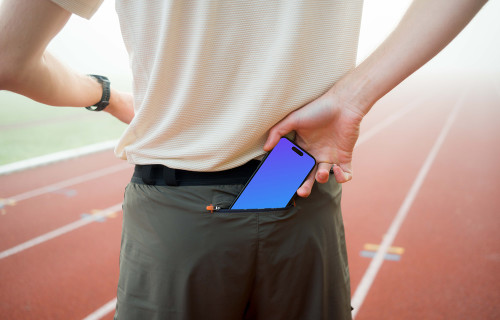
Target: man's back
[[212, 77]]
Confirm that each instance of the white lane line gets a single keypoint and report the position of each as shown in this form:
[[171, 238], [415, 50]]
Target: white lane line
[[67, 183], [55, 157], [60, 231], [102, 311], [389, 120], [370, 274]]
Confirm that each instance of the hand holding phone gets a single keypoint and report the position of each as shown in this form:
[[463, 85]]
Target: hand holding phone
[[277, 179]]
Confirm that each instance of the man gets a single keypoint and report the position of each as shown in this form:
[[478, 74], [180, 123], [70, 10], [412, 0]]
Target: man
[[216, 84]]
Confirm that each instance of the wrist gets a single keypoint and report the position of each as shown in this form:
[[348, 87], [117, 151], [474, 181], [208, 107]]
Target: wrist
[[361, 88], [121, 106], [351, 98], [106, 92], [114, 101]]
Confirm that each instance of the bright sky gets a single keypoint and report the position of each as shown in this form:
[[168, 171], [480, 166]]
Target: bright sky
[[95, 46], [475, 50]]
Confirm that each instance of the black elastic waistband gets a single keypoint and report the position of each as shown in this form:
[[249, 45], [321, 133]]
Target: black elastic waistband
[[160, 175]]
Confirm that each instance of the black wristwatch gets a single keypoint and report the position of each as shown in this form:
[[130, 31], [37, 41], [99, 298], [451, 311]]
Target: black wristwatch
[[106, 93]]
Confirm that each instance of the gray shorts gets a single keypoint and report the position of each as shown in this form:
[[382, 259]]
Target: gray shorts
[[180, 261]]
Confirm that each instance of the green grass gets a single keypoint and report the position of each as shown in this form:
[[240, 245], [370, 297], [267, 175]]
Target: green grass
[[30, 129]]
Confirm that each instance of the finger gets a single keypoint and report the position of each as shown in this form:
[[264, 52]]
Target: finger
[[277, 131], [305, 189], [343, 173], [323, 172]]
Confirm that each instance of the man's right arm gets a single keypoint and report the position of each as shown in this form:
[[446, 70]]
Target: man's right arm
[[328, 127], [28, 69]]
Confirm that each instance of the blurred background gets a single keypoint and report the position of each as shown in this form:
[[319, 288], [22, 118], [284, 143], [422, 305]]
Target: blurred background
[[27, 128], [426, 174]]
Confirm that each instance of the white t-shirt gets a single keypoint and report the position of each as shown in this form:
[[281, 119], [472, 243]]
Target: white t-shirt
[[212, 77]]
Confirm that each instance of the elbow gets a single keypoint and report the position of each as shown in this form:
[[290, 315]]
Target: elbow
[[5, 75], [13, 69], [9, 74]]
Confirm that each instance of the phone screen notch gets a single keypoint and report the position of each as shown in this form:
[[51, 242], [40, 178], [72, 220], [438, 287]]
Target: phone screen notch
[[297, 151]]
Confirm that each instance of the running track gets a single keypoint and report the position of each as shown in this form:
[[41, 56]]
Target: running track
[[421, 216]]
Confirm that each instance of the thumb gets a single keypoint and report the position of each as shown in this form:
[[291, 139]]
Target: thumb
[[279, 130]]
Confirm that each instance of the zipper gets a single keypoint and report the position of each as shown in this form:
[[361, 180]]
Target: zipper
[[211, 208]]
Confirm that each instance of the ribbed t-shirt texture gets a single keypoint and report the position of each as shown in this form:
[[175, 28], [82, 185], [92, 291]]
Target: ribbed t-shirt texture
[[212, 77]]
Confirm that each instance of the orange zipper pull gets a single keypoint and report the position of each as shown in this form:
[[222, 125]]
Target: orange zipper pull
[[212, 208]]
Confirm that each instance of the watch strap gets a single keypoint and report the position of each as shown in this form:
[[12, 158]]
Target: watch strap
[[106, 93]]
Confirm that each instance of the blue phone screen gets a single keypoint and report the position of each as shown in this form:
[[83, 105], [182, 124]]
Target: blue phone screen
[[277, 179]]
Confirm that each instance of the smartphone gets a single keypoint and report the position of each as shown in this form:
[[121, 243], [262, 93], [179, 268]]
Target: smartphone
[[276, 180]]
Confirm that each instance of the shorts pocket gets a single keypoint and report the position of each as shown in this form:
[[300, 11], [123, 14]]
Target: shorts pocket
[[220, 210]]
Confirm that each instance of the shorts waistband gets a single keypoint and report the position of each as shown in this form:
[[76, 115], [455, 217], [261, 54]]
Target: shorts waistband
[[160, 175]]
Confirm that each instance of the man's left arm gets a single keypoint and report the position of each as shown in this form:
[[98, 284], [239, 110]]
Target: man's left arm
[[28, 69]]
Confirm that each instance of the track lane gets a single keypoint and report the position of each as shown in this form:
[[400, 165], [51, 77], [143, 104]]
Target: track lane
[[54, 202], [20, 182], [100, 216], [451, 237], [448, 269], [55, 187], [55, 275], [391, 110], [37, 216], [388, 238], [59, 279], [64, 278], [384, 171]]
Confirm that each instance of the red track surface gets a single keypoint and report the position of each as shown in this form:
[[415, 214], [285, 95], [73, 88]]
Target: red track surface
[[450, 236]]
